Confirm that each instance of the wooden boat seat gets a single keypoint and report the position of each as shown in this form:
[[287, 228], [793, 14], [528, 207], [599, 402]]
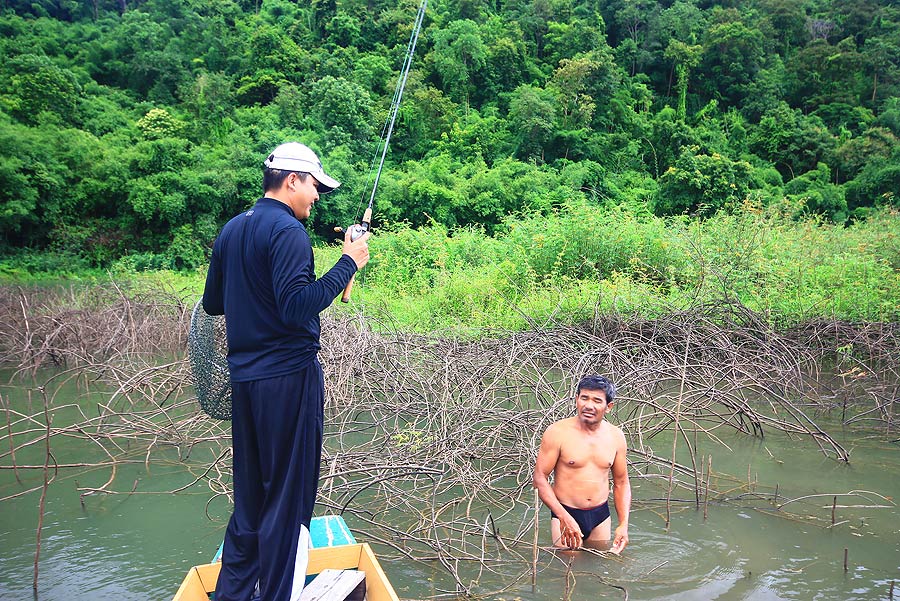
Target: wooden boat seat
[[336, 585]]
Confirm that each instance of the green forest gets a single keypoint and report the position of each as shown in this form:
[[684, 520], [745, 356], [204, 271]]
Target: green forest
[[130, 131]]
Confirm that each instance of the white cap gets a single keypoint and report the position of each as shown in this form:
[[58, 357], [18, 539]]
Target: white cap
[[294, 156]]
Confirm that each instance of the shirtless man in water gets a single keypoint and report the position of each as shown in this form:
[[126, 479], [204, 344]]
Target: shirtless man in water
[[580, 451]]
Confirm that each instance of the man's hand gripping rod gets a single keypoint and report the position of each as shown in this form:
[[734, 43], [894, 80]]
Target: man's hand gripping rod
[[357, 230]]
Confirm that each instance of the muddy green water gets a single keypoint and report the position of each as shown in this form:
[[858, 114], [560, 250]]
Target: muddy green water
[[140, 546]]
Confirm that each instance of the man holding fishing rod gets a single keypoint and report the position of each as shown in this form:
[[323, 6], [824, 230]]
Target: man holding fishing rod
[[262, 278], [581, 452]]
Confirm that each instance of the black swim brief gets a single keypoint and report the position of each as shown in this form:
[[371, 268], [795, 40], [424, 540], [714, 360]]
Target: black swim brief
[[588, 519]]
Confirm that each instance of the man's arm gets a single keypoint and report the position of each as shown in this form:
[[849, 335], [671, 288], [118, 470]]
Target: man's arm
[[548, 455], [299, 296], [621, 495]]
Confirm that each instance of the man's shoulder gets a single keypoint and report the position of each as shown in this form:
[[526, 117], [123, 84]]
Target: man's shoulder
[[612, 427], [269, 218], [273, 210], [561, 426], [615, 431]]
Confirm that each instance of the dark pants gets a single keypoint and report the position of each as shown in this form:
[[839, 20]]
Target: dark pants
[[276, 431]]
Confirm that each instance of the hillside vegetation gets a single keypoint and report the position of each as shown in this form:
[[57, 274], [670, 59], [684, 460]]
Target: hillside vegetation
[[685, 148]]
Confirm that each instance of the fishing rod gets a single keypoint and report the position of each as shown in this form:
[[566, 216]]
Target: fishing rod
[[358, 229]]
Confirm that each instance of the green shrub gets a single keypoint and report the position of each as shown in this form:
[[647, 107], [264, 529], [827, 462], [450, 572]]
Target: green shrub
[[701, 184]]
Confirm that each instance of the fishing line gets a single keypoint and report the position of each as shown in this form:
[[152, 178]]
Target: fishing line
[[358, 229], [388, 128]]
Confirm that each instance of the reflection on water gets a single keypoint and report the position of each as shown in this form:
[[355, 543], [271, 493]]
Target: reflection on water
[[116, 548], [675, 562], [730, 557], [139, 546]]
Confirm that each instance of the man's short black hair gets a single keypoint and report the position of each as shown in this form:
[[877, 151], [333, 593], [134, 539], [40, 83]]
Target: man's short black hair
[[273, 178], [597, 383]]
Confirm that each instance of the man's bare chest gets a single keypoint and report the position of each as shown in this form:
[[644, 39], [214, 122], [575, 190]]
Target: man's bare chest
[[586, 454]]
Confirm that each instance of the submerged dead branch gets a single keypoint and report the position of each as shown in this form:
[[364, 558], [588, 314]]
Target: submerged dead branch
[[431, 440]]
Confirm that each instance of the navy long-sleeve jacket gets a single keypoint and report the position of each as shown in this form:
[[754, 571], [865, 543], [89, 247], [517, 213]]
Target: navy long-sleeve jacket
[[262, 278]]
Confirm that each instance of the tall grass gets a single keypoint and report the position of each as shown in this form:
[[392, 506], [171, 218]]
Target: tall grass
[[583, 261]]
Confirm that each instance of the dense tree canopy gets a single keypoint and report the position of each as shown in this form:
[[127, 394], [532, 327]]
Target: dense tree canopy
[[134, 129]]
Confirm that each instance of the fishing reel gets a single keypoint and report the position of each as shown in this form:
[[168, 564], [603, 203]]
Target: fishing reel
[[357, 230]]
